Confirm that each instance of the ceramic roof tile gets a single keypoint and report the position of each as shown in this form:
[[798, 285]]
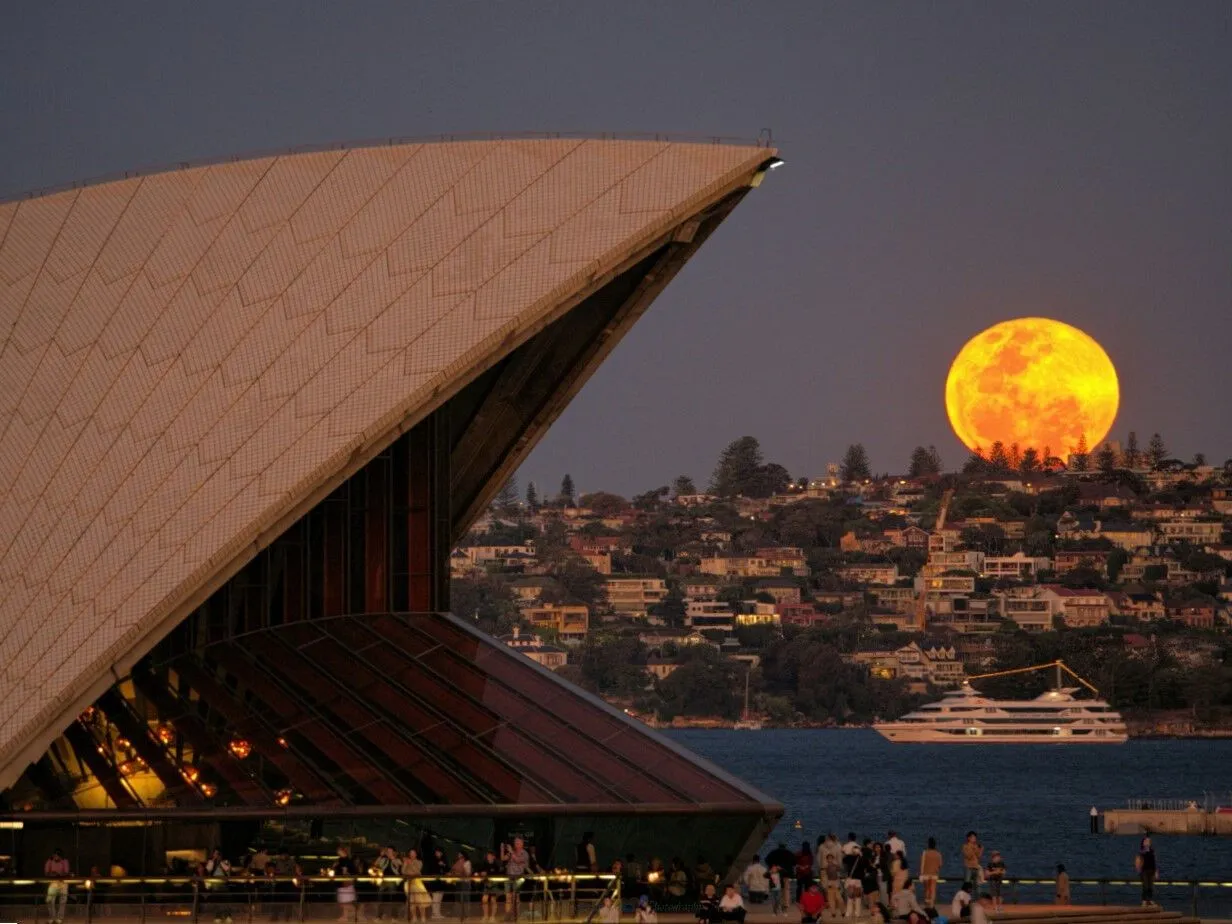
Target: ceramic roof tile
[[186, 357]]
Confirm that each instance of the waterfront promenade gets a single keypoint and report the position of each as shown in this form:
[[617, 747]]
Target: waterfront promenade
[[1020, 914]]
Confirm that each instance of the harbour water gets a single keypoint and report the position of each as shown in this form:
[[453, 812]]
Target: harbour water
[[1029, 801]]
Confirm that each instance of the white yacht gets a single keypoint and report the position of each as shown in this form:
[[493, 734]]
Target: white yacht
[[965, 716]]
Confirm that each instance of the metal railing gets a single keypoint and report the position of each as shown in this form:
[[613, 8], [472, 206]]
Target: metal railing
[[553, 896]]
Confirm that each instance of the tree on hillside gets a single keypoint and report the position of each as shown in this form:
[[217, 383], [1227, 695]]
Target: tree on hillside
[[1106, 459], [486, 601], [737, 468], [855, 465], [741, 472], [771, 479], [1030, 461], [1080, 458], [704, 685], [1199, 459], [568, 495], [683, 485], [506, 499], [604, 503], [649, 500], [532, 497], [580, 583], [1132, 455], [976, 464], [924, 462], [998, 458], [1156, 452], [613, 665]]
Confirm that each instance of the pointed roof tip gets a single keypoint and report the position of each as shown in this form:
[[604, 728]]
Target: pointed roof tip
[[185, 357]]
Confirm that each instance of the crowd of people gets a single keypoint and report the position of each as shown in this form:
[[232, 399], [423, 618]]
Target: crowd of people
[[873, 878], [855, 878]]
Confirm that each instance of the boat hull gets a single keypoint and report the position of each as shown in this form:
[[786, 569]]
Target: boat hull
[[903, 734]]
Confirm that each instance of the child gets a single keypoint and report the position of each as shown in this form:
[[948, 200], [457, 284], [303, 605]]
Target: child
[[777, 904], [645, 913], [996, 873], [610, 912], [1062, 885]]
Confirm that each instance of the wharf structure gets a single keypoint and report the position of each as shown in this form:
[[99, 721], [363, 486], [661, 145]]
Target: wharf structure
[[246, 409]]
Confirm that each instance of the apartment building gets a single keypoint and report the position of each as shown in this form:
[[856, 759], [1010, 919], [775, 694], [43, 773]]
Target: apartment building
[[1016, 567], [570, 622], [634, 595], [868, 573]]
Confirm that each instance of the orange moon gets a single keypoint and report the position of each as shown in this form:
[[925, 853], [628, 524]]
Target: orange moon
[[1035, 382]]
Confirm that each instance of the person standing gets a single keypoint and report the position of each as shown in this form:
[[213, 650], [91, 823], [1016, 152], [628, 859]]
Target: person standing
[[343, 871], [388, 871], [930, 872], [973, 855], [436, 866], [996, 875], [489, 867], [1148, 868], [895, 843], [804, 868], [830, 847], [1062, 885], [462, 872], [1094, 820], [831, 875], [756, 881], [57, 870], [516, 859], [775, 877], [417, 899]]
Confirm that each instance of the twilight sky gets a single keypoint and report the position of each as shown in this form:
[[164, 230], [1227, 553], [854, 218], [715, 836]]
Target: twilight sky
[[949, 165]]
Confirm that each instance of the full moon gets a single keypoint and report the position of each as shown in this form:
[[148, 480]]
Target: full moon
[[1035, 382]]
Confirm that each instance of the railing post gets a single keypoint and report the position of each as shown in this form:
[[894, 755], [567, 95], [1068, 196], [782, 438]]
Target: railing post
[[1194, 903], [303, 890], [143, 906], [1103, 891], [89, 905]]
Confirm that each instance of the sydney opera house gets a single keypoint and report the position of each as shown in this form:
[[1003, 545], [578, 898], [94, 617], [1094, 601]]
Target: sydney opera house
[[246, 409]]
